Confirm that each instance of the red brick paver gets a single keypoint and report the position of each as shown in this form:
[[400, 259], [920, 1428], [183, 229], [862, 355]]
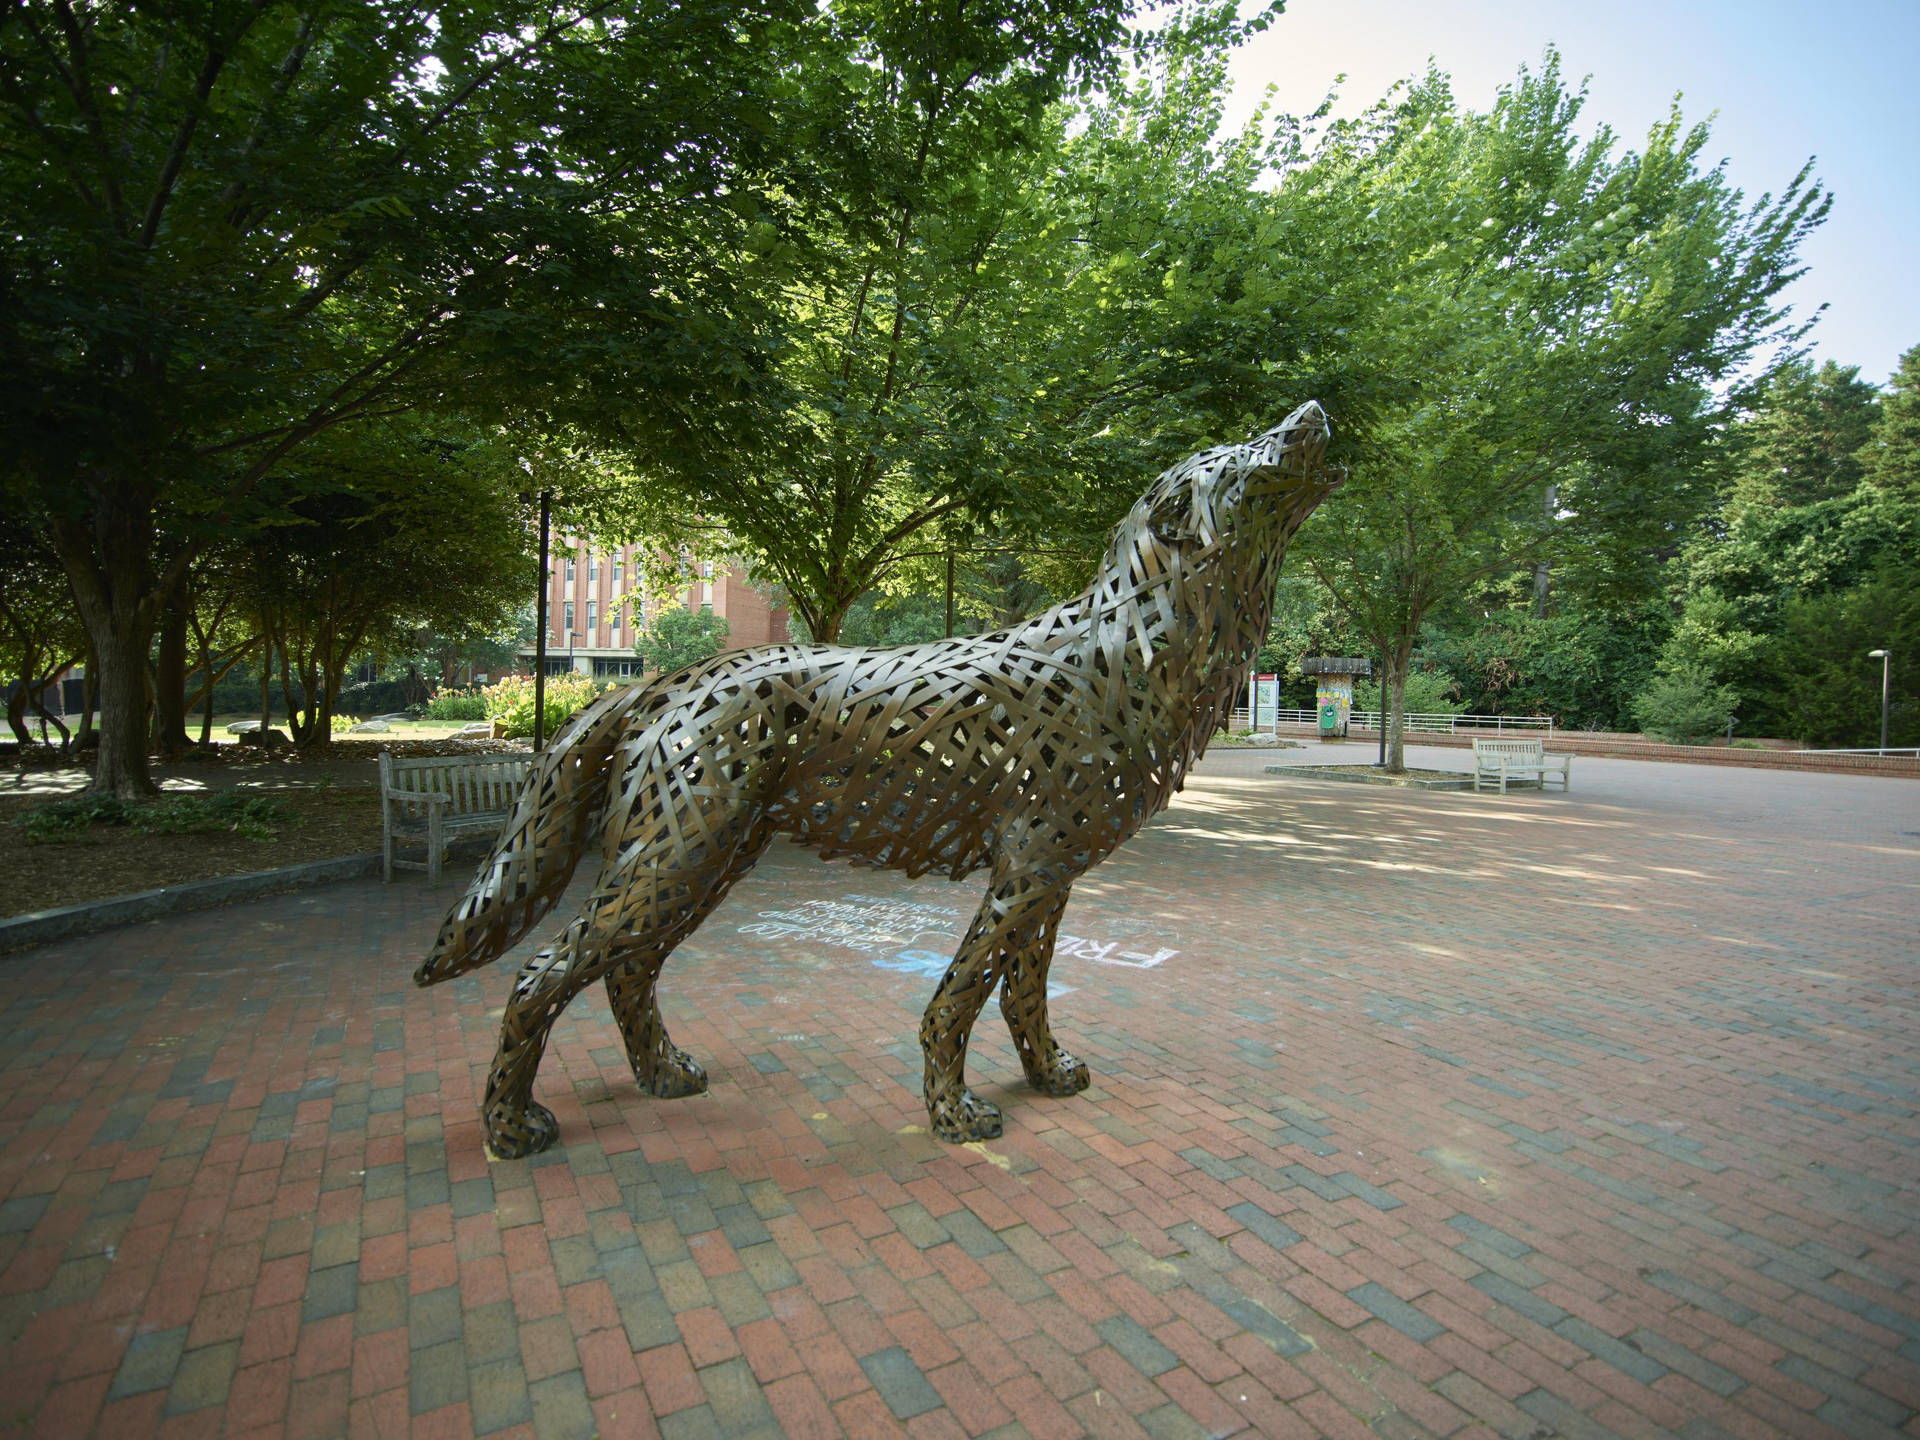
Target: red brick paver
[[1413, 1114]]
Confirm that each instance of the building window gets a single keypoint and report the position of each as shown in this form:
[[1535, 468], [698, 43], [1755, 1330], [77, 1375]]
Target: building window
[[569, 569], [593, 567], [559, 665], [566, 624], [616, 569], [706, 570], [593, 613], [606, 668]]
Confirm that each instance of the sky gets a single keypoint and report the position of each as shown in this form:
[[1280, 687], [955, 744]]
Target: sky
[[1784, 80]]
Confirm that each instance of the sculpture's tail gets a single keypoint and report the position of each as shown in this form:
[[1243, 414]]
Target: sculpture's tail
[[541, 845]]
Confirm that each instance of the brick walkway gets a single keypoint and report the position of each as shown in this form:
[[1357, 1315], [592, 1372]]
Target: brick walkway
[[1413, 1114]]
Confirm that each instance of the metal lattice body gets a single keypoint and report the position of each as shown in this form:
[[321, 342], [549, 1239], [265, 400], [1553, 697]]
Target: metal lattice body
[[1030, 753]]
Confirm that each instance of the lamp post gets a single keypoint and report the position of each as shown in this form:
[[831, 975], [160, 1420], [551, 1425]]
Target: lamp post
[[540, 626], [1885, 657]]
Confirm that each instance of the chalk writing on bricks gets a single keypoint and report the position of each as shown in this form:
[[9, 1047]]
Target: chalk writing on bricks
[[897, 929]]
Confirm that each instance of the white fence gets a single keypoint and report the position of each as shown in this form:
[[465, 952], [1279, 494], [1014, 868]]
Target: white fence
[[1417, 722]]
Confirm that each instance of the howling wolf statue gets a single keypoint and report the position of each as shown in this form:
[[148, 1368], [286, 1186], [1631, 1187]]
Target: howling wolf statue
[[1030, 753]]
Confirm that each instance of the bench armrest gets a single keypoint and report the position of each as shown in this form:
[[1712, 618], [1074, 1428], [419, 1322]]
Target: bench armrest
[[428, 797]]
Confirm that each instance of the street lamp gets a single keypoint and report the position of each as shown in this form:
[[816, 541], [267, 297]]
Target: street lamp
[[1885, 657]]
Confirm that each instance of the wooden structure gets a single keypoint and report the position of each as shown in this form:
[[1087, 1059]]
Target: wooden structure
[[433, 800], [1029, 753], [1505, 760]]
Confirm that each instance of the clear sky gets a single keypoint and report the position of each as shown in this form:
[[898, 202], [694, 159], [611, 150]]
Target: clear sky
[[1785, 80]]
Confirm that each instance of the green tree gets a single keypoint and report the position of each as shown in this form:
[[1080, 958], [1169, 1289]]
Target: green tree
[[1892, 458], [676, 637], [1754, 559], [1830, 688], [418, 532], [229, 226], [1806, 436], [1012, 314], [1552, 319], [39, 637], [1685, 707]]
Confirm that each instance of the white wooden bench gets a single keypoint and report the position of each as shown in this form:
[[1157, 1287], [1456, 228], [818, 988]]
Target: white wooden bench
[[439, 797], [1514, 759]]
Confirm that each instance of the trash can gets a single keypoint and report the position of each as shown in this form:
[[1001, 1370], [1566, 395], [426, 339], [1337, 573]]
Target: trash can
[[1329, 720]]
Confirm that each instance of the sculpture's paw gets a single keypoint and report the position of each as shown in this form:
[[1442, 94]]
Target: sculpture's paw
[[1065, 1076], [514, 1134], [968, 1118], [675, 1076]]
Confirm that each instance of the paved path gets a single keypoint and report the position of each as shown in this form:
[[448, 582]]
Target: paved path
[[1414, 1114]]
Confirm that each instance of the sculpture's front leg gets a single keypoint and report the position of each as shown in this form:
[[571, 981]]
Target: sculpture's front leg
[[1017, 915]]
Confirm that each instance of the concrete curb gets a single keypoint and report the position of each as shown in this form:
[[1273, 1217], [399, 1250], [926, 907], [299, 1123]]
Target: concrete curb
[[1368, 775], [41, 926]]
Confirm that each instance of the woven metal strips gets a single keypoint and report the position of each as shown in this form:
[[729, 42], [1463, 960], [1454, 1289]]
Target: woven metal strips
[[1030, 753]]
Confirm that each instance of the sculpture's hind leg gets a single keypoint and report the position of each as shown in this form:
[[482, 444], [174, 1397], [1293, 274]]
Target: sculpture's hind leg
[[1023, 1004], [1017, 915], [660, 1067], [515, 1123], [637, 915]]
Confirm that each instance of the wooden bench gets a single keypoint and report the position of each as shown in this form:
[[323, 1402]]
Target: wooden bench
[[439, 797], [1505, 759]]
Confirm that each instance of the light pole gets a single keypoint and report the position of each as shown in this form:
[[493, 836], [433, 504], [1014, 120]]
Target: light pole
[[1885, 657], [540, 626]]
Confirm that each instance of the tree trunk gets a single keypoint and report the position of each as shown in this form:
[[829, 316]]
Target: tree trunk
[[206, 671], [109, 565], [89, 701], [122, 649], [40, 705], [1543, 571], [17, 712], [170, 740], [1393, 697], [266, 686]]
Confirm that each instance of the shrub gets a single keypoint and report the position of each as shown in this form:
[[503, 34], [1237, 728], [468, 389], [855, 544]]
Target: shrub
[[511, 701], [457, 705], [253, 816], [1685, 707]]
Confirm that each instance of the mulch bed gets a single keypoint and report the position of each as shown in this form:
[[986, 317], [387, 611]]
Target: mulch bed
[[332, 793], [118, 860]]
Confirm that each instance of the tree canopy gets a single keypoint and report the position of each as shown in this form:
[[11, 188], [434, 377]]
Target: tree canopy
[[227, 228], [1556, 325]]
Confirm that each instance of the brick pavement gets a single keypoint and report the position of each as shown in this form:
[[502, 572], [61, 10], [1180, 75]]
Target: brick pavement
[[1436, 1114]]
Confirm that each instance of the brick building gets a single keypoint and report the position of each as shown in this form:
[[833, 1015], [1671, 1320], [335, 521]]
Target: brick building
[[595, 612]]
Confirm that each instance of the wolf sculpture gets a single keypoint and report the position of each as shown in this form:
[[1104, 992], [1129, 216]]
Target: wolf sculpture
[[1030, 753]]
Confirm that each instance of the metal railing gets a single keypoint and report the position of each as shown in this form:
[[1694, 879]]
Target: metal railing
[[1418, 722]]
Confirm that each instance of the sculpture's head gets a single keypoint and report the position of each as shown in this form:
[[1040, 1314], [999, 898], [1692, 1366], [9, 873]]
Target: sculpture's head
[[1234, 496]]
